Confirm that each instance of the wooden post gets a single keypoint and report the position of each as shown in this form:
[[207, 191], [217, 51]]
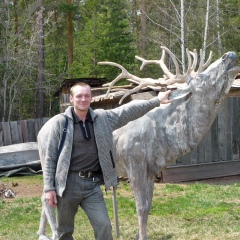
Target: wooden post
[[115, 210]]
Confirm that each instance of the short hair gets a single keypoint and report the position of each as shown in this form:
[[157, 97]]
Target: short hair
[[82, 84]]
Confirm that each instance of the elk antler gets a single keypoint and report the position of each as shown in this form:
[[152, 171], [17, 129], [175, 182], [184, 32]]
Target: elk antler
[[168, 77], [202, 66], [178, 77], [143, 82]]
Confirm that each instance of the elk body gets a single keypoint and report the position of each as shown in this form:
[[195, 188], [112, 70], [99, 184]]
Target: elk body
[[147, 145]]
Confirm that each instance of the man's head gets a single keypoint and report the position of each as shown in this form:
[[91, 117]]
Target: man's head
[[80, 96]]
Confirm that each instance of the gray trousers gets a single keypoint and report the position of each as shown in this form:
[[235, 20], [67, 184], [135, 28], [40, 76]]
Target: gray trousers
[[87, 194]]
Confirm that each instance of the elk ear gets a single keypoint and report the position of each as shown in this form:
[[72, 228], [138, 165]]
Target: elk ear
[[233, 72], [181, 93]]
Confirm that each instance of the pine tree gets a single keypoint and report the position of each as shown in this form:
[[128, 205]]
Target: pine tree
[[105, 35]]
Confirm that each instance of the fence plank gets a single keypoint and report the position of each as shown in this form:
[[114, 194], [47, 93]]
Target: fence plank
[[31, 131], [20, 132], [201, 151], [214, 141], [207, 147], [38, 123], [222, 131], [6, 133], [193, 155], [236, 127], [45, 120], [23, 124], [229, 125], [14, 132], [1, 135]]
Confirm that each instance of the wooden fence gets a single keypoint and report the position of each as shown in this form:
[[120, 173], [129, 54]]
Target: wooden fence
[[20, 131], [217, 155], [222, 143]]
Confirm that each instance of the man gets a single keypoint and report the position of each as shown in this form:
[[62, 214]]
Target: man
[[71, 180]]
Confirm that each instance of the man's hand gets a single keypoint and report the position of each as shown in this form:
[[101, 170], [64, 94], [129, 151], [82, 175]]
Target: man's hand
[[163, 97], [51, 198]]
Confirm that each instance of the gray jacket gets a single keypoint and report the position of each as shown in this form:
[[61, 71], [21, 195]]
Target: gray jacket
[[104, 122]]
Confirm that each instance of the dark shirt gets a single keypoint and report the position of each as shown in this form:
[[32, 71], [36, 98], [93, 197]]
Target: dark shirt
[[84, 150]]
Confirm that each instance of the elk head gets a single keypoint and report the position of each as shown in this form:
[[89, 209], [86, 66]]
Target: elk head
[[214, 82]]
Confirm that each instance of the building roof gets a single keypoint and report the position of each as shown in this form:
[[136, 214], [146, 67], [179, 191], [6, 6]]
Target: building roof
[[93, 82]]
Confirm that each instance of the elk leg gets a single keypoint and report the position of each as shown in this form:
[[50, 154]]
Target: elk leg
[[50, 214], [142, 184], [47, 215], [43, 223]]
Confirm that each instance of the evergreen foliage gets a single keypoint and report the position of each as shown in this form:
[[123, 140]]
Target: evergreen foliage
[[104, 35]]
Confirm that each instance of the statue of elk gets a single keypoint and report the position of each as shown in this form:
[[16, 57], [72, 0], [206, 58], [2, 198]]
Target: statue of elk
[[145, 146]]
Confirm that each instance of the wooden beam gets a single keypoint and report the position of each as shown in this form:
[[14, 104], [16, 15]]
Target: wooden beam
[[200, 171], [234, 92]]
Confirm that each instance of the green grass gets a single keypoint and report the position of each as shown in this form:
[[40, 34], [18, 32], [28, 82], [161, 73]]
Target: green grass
[[194, 211]]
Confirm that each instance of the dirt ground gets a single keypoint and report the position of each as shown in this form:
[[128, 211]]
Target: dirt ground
[[28, 191], [21, 189], [32, 189]]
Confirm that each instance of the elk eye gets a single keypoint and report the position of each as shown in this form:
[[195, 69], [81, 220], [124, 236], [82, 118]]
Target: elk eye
[[224, 56]]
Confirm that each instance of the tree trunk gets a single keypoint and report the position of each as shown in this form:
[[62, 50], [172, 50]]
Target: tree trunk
[[70, 38], [219, 42], [135, 27], [205, 31], [143, 28], [41, 80], [182, 36], [16, 22], [6, 59]]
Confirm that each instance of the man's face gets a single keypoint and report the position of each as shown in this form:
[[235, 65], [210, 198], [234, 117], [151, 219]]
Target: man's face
[[81, 98]]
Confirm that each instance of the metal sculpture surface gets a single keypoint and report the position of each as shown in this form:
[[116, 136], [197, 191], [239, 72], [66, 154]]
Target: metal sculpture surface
[[147, 145]]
